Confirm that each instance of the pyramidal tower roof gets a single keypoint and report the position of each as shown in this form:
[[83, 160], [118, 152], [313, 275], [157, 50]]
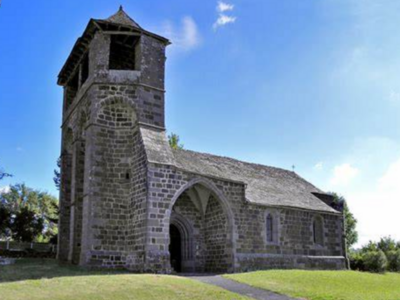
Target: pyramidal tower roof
[[122, 18]]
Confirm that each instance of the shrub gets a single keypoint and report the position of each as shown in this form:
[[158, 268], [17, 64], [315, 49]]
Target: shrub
[[356, 261], [393, 258], [375, 261]]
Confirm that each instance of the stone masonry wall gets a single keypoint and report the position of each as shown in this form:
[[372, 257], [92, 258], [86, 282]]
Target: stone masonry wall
[[65, 214], [164, 182], [215, 235], [77, 200], [112, 151], [137, 206], [248, 235]]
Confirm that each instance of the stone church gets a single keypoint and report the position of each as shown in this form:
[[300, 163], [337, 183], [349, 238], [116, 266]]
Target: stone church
[[128, 200]]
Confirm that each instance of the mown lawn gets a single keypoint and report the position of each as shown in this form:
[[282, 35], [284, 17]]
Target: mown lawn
[[325, 285], [44, 279]]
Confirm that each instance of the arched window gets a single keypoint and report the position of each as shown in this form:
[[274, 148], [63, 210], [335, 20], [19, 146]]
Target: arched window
[[270, 229], [318, 230]]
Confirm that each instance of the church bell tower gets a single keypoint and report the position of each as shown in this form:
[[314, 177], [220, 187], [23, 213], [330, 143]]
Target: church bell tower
[[113, 84]]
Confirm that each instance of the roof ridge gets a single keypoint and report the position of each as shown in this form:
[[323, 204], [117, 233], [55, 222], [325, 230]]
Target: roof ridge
[[238, 160]]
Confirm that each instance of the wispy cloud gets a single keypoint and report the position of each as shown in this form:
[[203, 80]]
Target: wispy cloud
[[224, 19], [319, 166], [222, 7], [186, 37], [19, 149], [343, 175]]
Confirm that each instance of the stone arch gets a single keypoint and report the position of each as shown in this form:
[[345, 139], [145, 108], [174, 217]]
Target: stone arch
[[221, 200], [211, 186], [187, 233], [186, 243], [116, 112]]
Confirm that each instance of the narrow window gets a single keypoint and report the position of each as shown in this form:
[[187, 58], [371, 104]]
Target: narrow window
[[315, 231], [318, 231], [270, 224]]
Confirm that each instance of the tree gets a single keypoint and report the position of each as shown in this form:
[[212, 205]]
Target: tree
[[57, 174], [173, 140], [387, 244], [26, 225], [5, 217], [350, 222], [32, 208]]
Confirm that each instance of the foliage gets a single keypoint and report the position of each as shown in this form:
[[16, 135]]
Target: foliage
[[173, 140], [57, 174], [371, 246], [45, 279], [356, 260], [33, 207], [5, 217], [375, 261], [386, 244], [26, 225], [350, 222], [363, 259], [327, 285], [393, 257]]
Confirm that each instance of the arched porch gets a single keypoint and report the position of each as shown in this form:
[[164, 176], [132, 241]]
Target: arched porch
[[201, 229]]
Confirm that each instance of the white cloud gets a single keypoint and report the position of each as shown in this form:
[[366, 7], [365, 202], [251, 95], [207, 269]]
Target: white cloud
[[4, 189], [373, 194], [319, 166], [185, 38], [390, 181], [343, 175], [222, 6], [377, 206], [223, 19]]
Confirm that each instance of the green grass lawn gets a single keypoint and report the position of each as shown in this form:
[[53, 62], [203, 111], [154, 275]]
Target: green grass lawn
[[325, 285], [44, 279]]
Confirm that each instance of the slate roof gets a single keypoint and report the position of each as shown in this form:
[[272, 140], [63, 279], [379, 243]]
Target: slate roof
[[265, 185], [122, 18]]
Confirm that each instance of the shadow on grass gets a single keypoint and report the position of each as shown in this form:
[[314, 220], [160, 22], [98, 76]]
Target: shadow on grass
[[37, 268]]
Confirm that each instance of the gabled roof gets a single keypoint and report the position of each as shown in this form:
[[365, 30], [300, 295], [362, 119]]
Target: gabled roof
[[265, 185]]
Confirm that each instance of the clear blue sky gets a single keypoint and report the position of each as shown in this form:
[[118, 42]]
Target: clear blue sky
[[279, 82]]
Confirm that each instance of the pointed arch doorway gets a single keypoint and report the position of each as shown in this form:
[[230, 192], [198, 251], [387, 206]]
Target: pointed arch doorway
[[175, 248], [200, 230], [181, 244]]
